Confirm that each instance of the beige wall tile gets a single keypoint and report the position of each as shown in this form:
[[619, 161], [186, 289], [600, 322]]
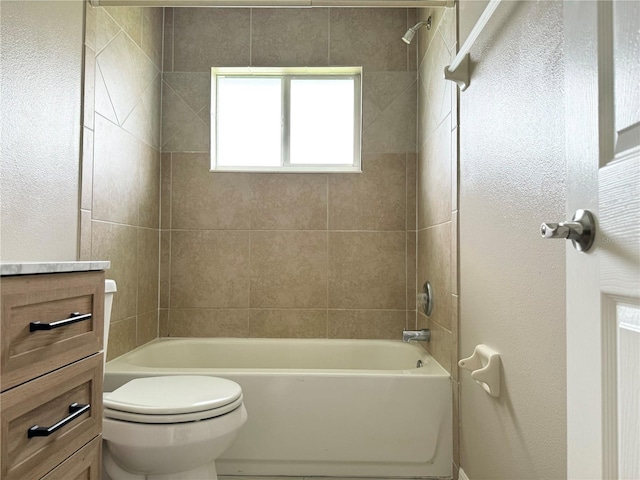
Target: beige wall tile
[[163, 323], [149, 195], [85, 235], [434, 87], [129, 19], [89, 87], [116, 173], [194, 88], [148, 270], [193, 137], [411, 319], [455, 339], [167, 49], [395, 128], [122, 337], [209, 269], [206, 37], [183, 130], [144, 120], [151, 42], [367, 270], [441, 341], [454, 253], [381, 89], [454, 169], [412, 185], [434, 260], [90, 26], [165, 268], [288, 323], [356, 202], [368, 37], [289, 263], [127, 73], [121, 181], [288, 269], [208, 200], [197, 322], [412, 50], [366, 324], [424, 36], [165, 190], [103, 103], [176, 110], [289, 201], [86, 187], [434, 179], [447, 28], [290, 37], [106, 29], [146, 327], [117, 243], [412, 252]]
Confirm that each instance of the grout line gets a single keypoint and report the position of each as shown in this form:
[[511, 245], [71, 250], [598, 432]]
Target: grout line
[[327, 265], [99, 70], [173, 39], [329, 36], [250, 36]]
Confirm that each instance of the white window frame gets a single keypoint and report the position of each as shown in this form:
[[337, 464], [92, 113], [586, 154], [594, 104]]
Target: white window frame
[[287, 74]]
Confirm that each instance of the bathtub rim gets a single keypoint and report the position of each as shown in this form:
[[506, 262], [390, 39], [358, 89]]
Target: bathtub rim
[[121, 364]]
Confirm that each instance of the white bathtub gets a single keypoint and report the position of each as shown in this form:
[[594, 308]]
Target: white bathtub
[[318, 407]]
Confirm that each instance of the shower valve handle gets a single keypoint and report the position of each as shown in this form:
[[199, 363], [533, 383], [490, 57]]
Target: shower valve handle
[[580, 230]]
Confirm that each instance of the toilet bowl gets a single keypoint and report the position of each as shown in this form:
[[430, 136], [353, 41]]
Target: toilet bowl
[[168, 428]]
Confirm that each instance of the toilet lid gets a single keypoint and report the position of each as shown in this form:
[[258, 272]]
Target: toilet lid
[[173, 395]]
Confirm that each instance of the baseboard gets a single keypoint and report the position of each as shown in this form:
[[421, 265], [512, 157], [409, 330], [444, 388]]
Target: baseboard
[[462, 475]]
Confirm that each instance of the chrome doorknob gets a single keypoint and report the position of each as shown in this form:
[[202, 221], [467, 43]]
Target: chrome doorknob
[[581, 230]]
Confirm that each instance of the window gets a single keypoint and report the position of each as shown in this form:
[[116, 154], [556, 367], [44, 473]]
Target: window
[[292, 119]]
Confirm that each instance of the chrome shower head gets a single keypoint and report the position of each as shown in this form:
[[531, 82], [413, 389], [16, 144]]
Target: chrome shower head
[[409, 36], [412, 31]]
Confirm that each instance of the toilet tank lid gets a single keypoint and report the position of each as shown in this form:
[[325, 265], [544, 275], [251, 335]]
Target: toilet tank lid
[[110, 286]]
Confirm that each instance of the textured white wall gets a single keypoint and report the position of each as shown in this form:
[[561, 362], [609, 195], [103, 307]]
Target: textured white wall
[[41, 72], [512, 289]]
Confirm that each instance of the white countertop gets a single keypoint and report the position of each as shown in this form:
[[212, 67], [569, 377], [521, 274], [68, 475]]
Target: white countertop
[[29, 268]]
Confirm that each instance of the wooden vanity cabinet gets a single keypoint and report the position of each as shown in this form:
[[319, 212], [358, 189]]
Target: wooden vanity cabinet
[[51, 376]]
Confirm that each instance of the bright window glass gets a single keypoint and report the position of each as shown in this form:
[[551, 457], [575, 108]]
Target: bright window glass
[[322, 121], [286, 119], [249, 121]]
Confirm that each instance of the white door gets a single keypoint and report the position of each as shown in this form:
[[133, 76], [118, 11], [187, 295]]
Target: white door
[[602, 45]]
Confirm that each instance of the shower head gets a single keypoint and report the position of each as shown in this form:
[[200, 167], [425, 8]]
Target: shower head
[[412, 31]]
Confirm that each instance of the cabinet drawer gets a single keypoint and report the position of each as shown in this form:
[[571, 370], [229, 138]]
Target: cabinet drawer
[[85, 464], [48, 298], [45, 402]]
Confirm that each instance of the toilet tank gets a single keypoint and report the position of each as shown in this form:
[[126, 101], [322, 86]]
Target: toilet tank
[[109, 289]]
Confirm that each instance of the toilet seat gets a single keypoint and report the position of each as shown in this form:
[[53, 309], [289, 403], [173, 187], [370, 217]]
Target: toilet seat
[[172, 399]]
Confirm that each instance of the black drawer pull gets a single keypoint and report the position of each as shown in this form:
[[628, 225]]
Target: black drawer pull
[[74, 317], [75, 410]]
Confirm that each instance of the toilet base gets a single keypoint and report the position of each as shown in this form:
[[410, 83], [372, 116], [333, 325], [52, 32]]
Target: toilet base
[[112, 471]]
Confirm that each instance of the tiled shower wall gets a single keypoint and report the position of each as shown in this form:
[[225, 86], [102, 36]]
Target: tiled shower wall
[[288, 255], [438, 194], [120, 193]]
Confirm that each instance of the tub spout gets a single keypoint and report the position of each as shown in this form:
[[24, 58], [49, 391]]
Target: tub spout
[[423, 335]]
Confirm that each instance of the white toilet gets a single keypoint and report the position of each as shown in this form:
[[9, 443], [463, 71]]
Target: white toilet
[[168, 428]]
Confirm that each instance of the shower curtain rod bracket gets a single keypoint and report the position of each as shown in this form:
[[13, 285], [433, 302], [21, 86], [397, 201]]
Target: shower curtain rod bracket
[[460, 75]]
